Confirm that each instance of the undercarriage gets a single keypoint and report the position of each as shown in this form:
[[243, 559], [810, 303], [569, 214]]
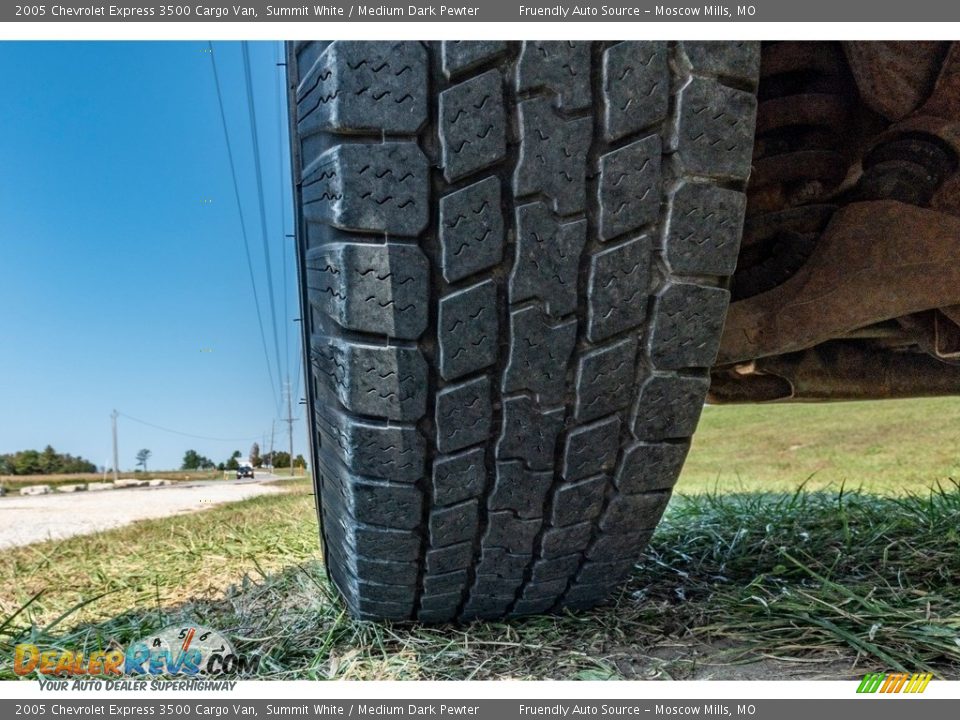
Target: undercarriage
[[848, 279]]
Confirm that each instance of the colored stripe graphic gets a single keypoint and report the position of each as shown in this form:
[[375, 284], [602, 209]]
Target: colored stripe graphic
[[894, 683]]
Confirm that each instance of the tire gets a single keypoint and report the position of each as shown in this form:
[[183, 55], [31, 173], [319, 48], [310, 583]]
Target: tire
[[513, 267]]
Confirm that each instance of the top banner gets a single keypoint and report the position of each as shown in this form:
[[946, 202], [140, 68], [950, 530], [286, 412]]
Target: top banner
[[488, 11]]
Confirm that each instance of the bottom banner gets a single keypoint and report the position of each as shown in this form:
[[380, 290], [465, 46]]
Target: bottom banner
[[878, 709]]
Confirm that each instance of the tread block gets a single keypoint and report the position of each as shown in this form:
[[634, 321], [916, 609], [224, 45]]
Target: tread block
[[382, 188], [437, 603], [650, 466], [453, 525], [467, 330], [591, 450], [715, 129], [479, 607], [629, 188], [578, 502], [545, 589], [529, 433], [533, 606], [636, 88], [539, 354], [520, 490], [553, 154], [669, 406], [384, 504], [600, 572], [496, 586], [513, 534], [618, 288], [393, 573], [458, 477], [472, 125], [388, 382], [463, 415], [471, 229], [557, 542], [547, 259], [740, 60], [626, 512], [447, 559], [367, 448], [554, 569], [560, 66], [498, 561], [687, 322], [461, 55], [584, 597], [704, 234], [383, 543], [452, 582], [370, 288], [365, 86], [611, 545], [604, 379]]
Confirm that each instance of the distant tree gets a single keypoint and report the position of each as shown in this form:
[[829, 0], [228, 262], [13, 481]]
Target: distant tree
[[280, 459], [255, 458], [27, 462], [142, 457], [298, 461], [221, 466], [191, 460], [50, 462], [233, 463]]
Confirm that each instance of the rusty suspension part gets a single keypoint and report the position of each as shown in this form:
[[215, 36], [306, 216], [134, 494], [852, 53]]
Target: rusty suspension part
[[838, 370], [876, 261]]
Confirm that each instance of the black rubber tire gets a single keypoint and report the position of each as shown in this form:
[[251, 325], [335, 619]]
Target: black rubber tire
[[514, 260]]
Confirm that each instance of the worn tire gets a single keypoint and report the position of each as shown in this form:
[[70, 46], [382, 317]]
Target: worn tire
[[513, 261]]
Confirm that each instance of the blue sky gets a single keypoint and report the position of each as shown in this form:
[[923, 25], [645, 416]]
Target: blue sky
[[123, 279]]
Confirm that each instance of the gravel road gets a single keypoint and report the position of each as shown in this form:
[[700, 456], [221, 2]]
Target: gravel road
[[25, 520]]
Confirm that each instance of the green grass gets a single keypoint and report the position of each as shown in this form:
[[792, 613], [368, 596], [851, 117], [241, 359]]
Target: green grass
[[890, 446], [831, 583]]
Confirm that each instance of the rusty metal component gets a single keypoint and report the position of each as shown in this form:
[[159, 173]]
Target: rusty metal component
[[837, 370], [804, 105], [876, 261], [944, 101], [895, 78], [909, 168], [935, 332]]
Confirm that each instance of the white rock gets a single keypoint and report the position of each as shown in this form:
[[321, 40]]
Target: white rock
[[35, 490], [129, 482], [71, 488], [159, 482], [94, 487]]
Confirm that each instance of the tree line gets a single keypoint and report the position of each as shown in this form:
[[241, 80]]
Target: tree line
[[192, 460], [44, 462]]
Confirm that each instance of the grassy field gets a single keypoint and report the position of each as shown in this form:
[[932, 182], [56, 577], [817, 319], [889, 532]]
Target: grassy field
[[891, 446], [770, 583]]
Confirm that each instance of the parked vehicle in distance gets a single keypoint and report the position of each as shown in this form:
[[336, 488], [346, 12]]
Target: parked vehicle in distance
[[245, 471]]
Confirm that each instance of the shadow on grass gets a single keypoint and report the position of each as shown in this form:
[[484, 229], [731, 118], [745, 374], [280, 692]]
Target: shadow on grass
[[732, 586]]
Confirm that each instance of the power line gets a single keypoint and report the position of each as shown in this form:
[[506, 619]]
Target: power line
[[260, 198], [243, 227], [178, 432]]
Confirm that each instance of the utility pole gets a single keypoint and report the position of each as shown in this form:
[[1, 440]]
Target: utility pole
[[290, 424], [273, 427], [116, 461]]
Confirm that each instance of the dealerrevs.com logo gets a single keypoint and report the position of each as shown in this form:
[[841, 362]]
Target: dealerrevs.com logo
[[200, 658]]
